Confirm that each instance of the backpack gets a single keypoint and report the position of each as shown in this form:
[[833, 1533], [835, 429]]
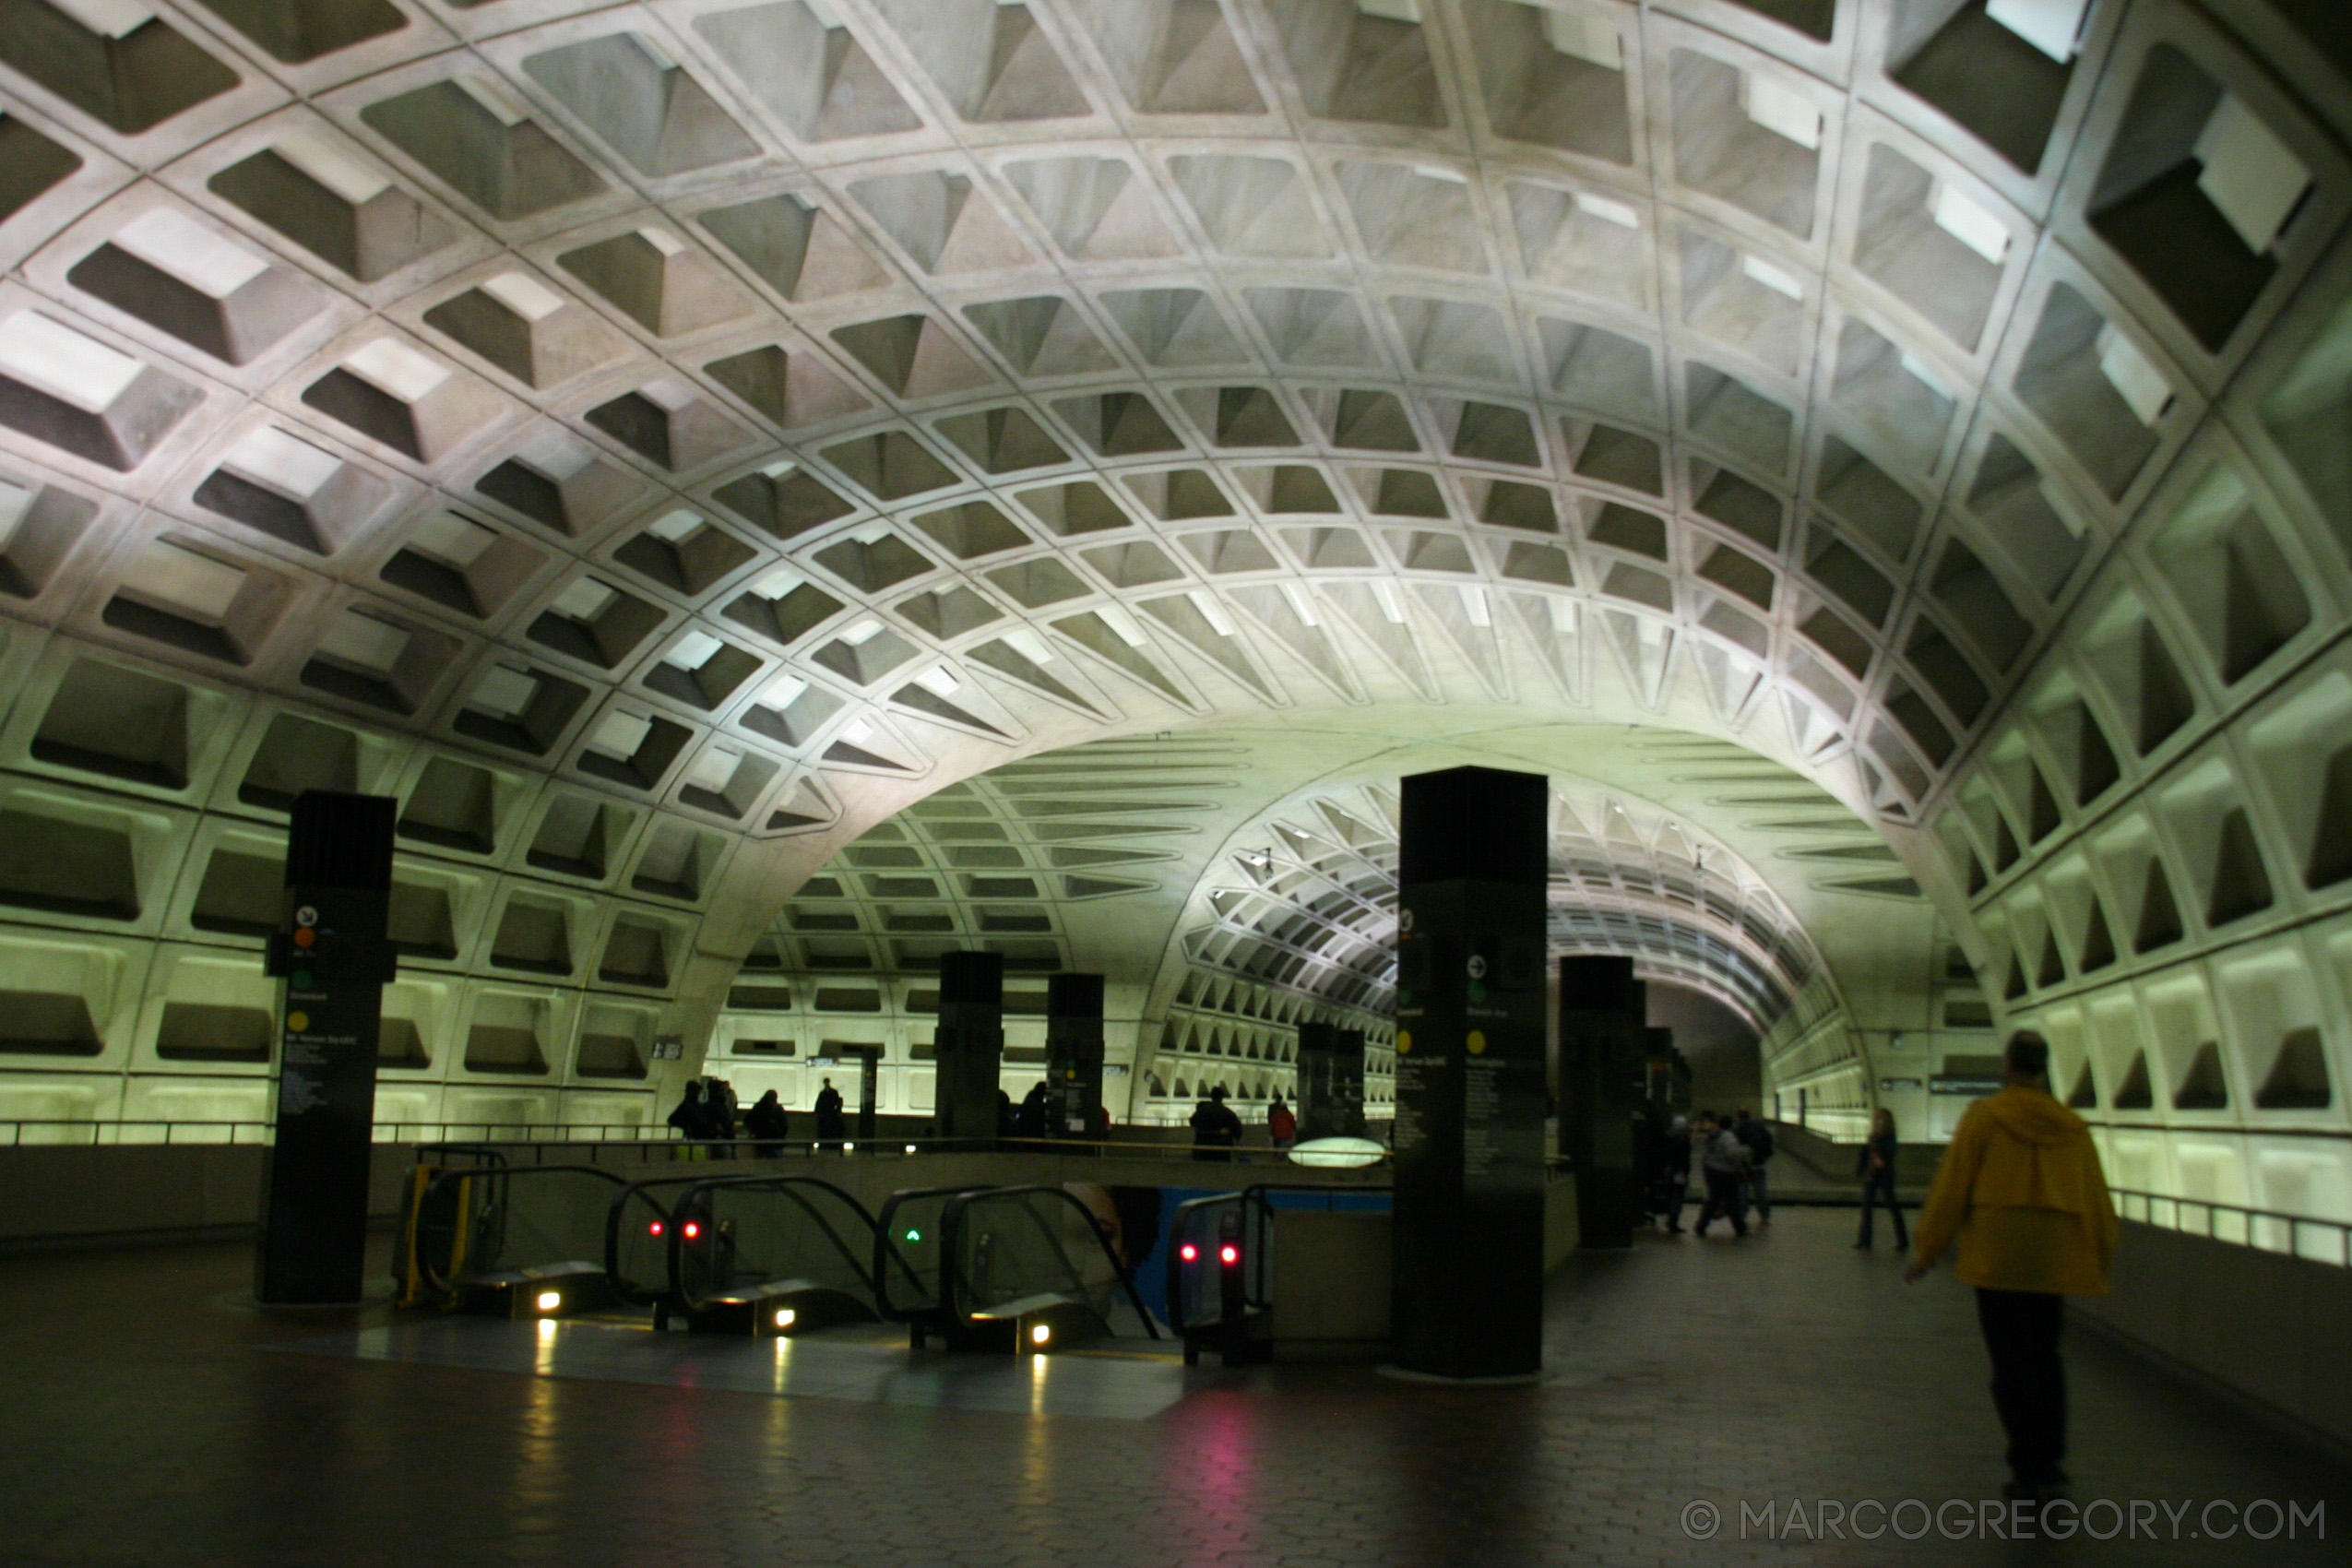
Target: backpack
[[1759, 1143]]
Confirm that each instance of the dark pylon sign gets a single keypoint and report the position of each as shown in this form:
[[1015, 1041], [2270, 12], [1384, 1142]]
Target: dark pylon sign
[[1072, 1055], [332, 962], [1467, 1299], [969, 1044]]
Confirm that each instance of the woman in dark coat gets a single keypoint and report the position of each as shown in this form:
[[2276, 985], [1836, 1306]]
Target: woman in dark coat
[[1876, 1168]]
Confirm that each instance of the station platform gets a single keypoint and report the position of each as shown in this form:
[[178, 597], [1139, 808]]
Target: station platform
[[163, 1421]]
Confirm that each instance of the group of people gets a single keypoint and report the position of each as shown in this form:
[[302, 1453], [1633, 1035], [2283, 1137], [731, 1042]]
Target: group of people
[[2019, 1191], [1731, 1153], [1216, 1128], [1033, 1118], [709, 1113]]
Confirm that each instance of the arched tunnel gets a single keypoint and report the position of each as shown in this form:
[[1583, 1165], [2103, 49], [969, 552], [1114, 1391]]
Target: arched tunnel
[[808, 519]]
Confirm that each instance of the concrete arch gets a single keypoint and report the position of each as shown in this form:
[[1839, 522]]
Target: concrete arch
[[658, 471]]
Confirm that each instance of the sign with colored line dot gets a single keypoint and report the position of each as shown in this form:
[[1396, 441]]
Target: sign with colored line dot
[[332, 960]]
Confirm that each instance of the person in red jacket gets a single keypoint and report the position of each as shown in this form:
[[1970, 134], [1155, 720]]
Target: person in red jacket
[[1281, 1127], [2021, 1190]]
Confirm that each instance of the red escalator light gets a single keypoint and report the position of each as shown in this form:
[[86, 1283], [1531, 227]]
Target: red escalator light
[[690, 1231], [1229, 1254], [1188, 1252], [654, 1229]]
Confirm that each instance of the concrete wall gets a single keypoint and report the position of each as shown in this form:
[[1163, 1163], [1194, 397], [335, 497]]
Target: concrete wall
[[2264, 1327], [55, 1196], [1914, 1163]]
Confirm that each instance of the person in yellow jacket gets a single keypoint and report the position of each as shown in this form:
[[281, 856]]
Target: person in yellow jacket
[[2021, 1189]]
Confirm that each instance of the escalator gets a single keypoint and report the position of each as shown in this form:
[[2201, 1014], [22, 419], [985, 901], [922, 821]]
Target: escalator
[[771, 1254], [1221, 1272], [996, 1269], [1027, 1269], [510, 1240]]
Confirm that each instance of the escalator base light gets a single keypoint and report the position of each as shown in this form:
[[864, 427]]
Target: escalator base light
[[1189, 1252], [784, 1317], [691, 1231], [654, 1229], [1229, 1254], [914, 1235], [1039, 1333], [548, 1301]]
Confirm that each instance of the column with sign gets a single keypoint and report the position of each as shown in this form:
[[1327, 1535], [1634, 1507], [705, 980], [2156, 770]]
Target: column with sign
[[1348, 1084], [333, 961], [1073, 1055], [1317, 1043], [970, 1044], [1467, 1298], [1602, 1037]]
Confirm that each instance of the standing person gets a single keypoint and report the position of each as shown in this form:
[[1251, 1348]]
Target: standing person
[[692, 1120], [690, 1112], [831, 1127], [1876, 1169], [1035, 1111], [2021, 1188], [1215, 1130], [768, 1122], [1281, 1127], [1758, 1139], [1726, 1167], [1674, 1170], [718, 1117]]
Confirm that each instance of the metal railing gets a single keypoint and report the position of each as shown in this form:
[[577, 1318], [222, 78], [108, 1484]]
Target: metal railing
[[71, 1133], [2265, 1229], [627, 1139]]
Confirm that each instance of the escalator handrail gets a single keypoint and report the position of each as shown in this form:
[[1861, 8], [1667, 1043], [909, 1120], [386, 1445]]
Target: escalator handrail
[[1253, 1196], [488, 1155], [886, 1250], [613, 1235], [1175, 1263], [951, 1231], [502, 1173], [789, 1186]]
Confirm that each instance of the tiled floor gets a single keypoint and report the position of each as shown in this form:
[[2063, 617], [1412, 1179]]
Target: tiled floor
[[153, 1421]]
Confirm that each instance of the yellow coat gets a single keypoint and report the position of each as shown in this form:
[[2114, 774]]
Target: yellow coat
[[2021, 1188]]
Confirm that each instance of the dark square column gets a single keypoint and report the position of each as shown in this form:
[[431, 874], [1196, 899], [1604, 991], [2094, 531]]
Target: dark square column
[[1331, 1082], [1604, 1039], [1072, 1055], [1468, 1293], [970, 1043], [332, 961]]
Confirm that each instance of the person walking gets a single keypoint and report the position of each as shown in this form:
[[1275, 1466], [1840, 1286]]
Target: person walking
[[1757, 1137], [1215, 1130], [1726, 1165], [831, 1126], [768, 1122], [1281, 1127], [1875, 1167], [1674, 1171], [2021, 1190]]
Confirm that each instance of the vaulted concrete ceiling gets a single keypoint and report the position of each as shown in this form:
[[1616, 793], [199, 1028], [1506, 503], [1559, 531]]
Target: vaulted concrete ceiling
[[660, 442]]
